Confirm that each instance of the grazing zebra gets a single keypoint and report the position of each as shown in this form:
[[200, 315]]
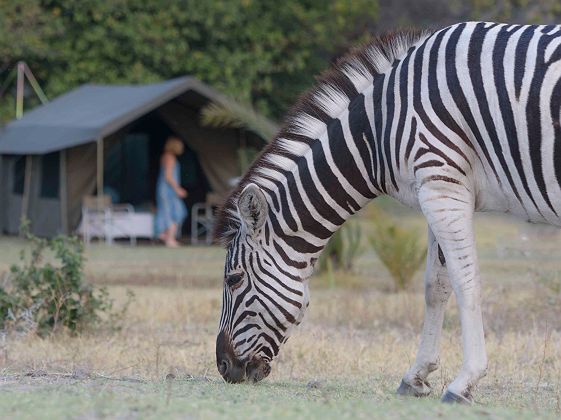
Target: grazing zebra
[[451, 122]]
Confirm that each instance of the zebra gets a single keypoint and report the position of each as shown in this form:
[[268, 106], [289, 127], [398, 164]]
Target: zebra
[[449, 122]]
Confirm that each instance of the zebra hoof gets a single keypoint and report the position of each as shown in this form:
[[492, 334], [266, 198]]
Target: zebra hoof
[[451, 398], [407, 390]]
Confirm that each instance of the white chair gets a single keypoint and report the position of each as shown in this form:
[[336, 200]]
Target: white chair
[[202, 219]]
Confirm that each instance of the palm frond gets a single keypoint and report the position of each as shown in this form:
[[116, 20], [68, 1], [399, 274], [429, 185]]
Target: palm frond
[[228, 113]]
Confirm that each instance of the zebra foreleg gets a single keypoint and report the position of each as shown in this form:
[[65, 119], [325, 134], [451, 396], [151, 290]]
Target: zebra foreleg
[[450, 217], [437, 292]]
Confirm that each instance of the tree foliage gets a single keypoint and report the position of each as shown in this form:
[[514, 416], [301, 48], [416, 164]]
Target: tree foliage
[[259, 52]]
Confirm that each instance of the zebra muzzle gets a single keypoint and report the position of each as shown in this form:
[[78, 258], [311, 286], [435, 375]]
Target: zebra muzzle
[[233, 369], [257, 369]]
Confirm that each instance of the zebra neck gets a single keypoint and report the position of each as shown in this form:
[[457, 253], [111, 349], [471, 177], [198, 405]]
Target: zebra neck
[[333, 180]]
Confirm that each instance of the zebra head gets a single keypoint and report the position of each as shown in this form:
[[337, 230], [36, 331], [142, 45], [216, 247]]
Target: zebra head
[[262, 299]]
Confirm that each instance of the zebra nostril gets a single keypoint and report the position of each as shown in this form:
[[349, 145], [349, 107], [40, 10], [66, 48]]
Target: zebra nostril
[[224, 366]]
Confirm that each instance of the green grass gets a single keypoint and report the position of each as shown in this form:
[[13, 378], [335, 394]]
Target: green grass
[[199, 398]]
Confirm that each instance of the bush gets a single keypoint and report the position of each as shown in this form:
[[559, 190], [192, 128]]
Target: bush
[[399, 250], [342, 250], [46, 297]]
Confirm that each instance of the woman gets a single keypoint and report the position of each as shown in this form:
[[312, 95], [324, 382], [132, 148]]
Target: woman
[[171, 210]]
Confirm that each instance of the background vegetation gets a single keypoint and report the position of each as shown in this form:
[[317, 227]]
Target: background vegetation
[[260, 52], [401, 250], [45, 292]]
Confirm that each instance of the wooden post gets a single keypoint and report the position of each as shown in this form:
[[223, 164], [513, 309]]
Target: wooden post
[[22, 72], [99, 178], [63, 193], [2, 194], [34, 84], [26, 187]]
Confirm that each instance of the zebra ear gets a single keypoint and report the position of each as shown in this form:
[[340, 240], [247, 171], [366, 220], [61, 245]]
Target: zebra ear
[[253, 207]]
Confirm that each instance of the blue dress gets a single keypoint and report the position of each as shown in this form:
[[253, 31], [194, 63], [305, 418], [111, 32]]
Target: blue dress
[[170, 207]]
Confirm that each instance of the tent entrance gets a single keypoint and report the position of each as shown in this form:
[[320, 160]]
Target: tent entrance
[[132, 167]]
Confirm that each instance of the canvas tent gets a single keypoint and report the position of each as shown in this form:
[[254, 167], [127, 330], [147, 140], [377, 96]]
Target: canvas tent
[[108, 139]]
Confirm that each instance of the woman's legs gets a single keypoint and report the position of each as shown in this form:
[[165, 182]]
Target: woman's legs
[[168, 236], [170, 233]]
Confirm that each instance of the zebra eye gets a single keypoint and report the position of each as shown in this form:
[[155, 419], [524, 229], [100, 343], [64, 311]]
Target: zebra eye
[[234, 280]]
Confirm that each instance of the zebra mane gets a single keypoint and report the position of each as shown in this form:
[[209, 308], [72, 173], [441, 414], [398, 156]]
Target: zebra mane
[[333, 92]]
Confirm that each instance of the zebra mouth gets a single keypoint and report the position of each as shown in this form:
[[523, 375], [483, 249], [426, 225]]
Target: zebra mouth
[[257, 370]]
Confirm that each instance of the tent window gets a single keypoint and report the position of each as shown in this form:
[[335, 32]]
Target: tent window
[[50, 175], [19, 175]]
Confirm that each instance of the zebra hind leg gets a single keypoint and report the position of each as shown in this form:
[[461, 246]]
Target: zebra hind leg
[[437, 292]]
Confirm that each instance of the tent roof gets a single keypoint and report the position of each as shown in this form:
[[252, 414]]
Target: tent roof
[[91, 112]]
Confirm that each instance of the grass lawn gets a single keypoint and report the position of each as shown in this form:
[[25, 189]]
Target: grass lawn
[[204, 398], [345, 361]]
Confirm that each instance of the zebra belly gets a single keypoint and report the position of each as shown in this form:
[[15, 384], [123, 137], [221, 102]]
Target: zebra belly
[[493, 196]]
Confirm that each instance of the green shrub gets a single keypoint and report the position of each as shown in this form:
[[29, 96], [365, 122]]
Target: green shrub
[[46, 291], [342, 250], [399, 250]]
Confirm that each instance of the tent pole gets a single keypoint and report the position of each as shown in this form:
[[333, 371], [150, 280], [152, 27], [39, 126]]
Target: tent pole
[[34, 84], [99, 180], [63, 193], [26, 188], [19, 89]]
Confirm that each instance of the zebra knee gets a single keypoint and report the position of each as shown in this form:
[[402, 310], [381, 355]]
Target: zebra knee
[[437, 291]]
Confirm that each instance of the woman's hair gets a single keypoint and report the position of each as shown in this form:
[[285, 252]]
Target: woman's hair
[[174, 146]]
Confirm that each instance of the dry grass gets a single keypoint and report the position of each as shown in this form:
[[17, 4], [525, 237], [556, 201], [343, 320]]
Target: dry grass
[[361, 336], [347, 335]]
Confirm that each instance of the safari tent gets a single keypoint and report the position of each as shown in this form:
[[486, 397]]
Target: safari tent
[[107, 139]]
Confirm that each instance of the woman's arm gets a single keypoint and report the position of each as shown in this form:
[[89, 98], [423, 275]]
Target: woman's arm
[[168, 161]]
